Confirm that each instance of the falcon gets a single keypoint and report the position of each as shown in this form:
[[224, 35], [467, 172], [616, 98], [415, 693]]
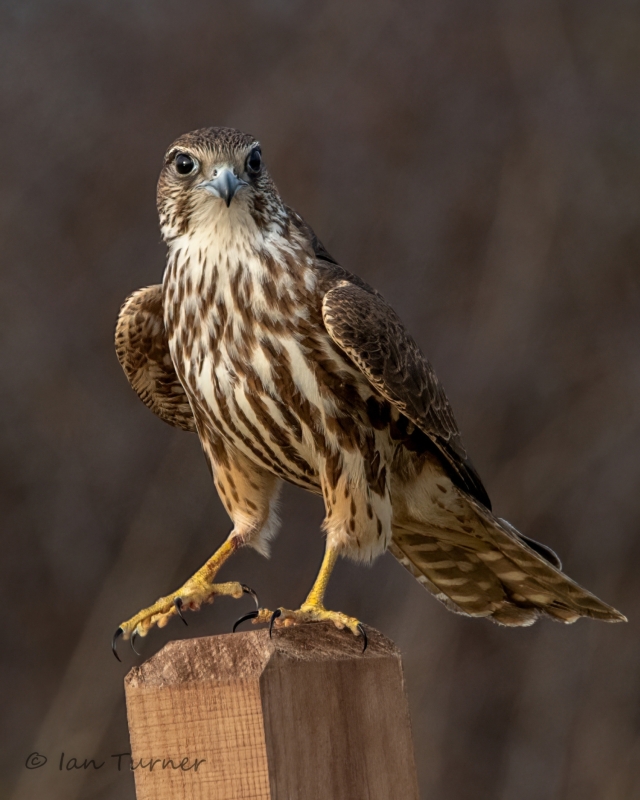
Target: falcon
[[290, 368]]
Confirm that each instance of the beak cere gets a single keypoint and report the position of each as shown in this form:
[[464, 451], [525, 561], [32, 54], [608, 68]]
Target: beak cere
[[225, 184]]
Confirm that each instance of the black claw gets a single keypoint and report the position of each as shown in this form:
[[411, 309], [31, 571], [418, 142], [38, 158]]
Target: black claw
[[274, 617], [114, 643], [248, 590], [178, 606], [250, 615], [364, 635], [133, 643]]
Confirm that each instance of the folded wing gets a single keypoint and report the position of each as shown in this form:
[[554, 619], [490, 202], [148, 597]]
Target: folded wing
[[472, 561], [375, 339], [143, 353]]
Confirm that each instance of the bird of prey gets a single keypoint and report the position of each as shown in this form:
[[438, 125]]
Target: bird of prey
[[290, 368]]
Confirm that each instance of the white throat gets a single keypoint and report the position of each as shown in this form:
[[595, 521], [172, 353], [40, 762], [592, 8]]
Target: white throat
[[225, 246]]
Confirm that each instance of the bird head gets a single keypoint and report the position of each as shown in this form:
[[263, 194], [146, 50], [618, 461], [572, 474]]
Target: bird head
[[214, 175]]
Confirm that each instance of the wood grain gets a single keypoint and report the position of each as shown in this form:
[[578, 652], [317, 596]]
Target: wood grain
[[302, 716]]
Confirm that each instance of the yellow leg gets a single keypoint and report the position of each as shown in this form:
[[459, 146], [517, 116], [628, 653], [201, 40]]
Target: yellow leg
[[315, 597], [313, 610], [198, 590]]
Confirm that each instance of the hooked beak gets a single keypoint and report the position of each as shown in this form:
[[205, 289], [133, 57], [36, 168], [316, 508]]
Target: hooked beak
[[225, 184]]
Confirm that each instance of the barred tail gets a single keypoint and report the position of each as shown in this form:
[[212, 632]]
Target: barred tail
[[494, 572]]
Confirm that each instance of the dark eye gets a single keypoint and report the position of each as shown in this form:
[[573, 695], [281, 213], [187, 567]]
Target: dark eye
[[254, 161], [184, 164]]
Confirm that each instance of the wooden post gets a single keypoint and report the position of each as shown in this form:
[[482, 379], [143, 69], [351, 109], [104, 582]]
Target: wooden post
[[302, 716]]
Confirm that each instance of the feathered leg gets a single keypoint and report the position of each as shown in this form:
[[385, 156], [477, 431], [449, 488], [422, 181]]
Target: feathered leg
[[249, 494]]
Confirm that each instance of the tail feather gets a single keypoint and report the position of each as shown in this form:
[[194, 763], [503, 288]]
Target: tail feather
[[493, 571]]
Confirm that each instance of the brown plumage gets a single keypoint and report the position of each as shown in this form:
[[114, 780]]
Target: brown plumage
[[143, 352], [292, 368]]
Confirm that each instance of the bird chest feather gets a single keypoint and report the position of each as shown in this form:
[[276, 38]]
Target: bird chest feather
[[246, 347]]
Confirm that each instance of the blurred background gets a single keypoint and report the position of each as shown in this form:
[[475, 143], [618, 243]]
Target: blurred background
[[479, 163]]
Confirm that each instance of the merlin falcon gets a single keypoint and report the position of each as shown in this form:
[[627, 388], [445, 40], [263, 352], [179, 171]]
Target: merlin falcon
[[290, 368]]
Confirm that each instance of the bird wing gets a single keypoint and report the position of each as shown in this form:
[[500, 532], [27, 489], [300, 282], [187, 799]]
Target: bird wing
[[143, 352], [369, 331]]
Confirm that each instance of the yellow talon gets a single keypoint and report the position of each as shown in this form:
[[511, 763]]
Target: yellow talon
[[309, 612], [197, 591], [313, 610], [192, 596]]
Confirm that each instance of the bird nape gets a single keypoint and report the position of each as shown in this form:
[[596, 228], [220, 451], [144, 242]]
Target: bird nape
[[290, 368]]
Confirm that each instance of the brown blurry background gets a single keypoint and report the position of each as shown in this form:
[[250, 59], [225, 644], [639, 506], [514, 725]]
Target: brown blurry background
[[479, 163]]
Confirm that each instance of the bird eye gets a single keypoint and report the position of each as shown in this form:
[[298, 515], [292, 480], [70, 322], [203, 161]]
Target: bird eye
[[184, 164], [254, 161]]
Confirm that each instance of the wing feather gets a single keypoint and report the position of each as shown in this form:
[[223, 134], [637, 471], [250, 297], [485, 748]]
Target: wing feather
[[373, 336], [143, 353]]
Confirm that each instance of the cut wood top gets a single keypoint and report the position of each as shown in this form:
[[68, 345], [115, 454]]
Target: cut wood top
[[245, 655]]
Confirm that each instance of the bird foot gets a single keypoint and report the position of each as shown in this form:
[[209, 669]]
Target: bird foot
[[308, 612], [195, 593]]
